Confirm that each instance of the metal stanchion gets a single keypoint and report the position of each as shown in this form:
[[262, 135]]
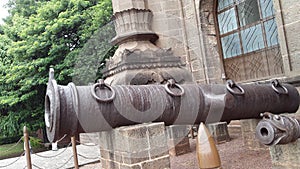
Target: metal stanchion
[[27, 148], [75, 152]]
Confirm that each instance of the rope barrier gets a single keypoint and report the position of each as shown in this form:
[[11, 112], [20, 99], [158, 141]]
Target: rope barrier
[[57, 167], [13, 161], [61, 138], [42, 156], [12, 146], [89, 158], [84, 144]]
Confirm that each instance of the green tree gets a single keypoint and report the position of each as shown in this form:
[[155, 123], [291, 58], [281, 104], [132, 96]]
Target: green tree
[[43, 34]]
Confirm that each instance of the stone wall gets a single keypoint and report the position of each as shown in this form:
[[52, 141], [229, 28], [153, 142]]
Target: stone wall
[[190, 32], [189, 28], [288, 22]]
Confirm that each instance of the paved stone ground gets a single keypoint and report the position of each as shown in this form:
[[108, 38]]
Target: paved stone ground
[[56, 159]]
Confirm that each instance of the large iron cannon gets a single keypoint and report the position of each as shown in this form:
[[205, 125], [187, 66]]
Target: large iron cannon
[[75, 109]]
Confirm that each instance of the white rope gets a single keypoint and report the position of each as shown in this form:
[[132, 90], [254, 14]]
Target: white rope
[[42, 156], [84, 144], [13, 161], [61, 138], [12, 146], [89, 158]]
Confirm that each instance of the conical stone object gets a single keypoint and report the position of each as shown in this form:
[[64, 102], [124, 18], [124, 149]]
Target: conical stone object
[[207, 153]]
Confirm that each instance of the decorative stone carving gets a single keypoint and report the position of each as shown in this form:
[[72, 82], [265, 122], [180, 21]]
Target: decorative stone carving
[[138, 61], [133, 24]]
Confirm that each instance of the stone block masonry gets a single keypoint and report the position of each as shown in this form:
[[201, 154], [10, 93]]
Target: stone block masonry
[[285, 156], [142, 146]]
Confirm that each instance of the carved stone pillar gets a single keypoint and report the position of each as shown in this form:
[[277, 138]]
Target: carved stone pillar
[[138, 61]]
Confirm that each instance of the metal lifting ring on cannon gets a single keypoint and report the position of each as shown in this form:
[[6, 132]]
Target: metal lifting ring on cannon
[[102, 85], [231, 84], [275, 84], [172, 83]]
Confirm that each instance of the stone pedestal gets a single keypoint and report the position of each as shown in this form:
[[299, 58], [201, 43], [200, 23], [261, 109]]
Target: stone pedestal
[[286, 156], [141, 146], [219, 131], [178, 141], [248, 134], [234, 129]]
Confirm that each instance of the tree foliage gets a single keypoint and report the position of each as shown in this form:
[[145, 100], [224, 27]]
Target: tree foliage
[[37, 35]]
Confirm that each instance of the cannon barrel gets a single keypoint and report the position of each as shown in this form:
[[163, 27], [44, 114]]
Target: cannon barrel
[[278, 129], [75, 109]]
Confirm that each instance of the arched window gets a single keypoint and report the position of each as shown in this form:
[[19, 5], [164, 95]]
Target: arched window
[[247, 27]]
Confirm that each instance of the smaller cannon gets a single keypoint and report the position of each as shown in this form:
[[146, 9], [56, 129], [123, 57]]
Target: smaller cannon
[[277, 129]]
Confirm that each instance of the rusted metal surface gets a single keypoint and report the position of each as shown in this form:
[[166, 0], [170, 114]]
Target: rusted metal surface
[[278, 129], [75, 109]]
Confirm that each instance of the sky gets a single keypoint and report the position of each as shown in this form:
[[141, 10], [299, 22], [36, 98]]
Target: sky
[[3, 11]]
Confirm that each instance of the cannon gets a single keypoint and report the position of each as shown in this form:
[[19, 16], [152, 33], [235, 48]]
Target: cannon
[[278, 129], [71, 109]]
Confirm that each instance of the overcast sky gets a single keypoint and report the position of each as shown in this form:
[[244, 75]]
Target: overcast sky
[[3, 11]]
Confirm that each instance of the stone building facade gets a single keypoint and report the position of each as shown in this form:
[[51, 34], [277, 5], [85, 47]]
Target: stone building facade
[[242, 40], [193, 30]]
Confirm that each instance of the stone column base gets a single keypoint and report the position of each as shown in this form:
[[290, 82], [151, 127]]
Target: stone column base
[[142, 146]]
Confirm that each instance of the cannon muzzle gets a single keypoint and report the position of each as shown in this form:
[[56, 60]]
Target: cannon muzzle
[[75, 109], [277, 129]]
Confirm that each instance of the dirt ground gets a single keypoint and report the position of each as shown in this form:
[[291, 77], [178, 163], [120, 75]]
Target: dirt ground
[[234, 155]]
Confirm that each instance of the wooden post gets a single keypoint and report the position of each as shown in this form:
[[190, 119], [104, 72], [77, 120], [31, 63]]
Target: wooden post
[[75, 152], [27, 148]]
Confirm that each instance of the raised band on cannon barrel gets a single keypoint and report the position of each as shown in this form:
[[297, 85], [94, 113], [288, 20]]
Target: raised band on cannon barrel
[[75, 109]]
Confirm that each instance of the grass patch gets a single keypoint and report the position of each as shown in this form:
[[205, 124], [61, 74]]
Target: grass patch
[[15, 150], [7, 150]]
